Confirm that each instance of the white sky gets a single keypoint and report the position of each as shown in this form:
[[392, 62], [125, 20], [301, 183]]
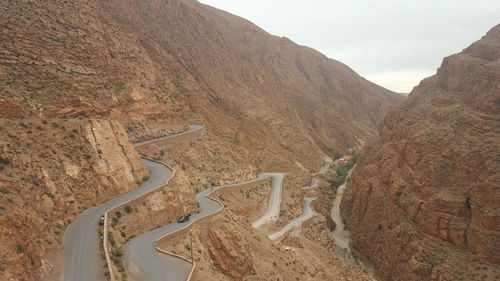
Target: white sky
[[394, 43]]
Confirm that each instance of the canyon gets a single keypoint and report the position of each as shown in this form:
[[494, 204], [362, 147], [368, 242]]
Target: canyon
[[424, 201], [81, 82], [70, 70]]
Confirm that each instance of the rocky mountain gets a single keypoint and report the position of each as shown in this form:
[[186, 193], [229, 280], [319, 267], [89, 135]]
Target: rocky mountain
[[69, 67], [424, 201], [180, 60]]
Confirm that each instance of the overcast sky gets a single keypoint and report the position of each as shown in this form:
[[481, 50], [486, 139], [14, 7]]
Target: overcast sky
[[395, 43]]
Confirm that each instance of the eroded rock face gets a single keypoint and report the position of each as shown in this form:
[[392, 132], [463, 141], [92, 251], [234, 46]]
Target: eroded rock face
[[424, 202], [55, 170], [229, 252]]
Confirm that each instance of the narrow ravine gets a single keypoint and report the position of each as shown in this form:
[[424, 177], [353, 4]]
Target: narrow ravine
[[341, 234]]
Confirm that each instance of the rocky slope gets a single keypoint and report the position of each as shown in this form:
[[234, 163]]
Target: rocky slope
[[179, 59], [51, 170], [267, 103], [424, 201]]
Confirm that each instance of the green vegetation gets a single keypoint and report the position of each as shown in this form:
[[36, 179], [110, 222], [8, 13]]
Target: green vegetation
[[145, 178], [4, 161], [111, 239], [128, 209], [467, 203], [346, 224], [342, 172], [20, 249], [114, 221]]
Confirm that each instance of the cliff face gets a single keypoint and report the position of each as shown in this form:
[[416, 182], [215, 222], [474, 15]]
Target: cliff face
[[50, 172], [424, 201]]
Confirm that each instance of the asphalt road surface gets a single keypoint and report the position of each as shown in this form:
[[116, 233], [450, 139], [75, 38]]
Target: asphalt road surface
[[307, 213], [82, 256], [272, 211], [144, 263]]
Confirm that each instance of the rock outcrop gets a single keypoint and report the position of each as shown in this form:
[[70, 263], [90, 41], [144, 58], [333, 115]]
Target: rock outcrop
[[424, 201], [51, 171], [230, 253]]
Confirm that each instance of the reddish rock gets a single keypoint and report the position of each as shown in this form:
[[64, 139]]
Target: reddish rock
[[424, 200]]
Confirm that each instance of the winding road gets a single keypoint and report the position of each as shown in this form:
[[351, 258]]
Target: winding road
[[314, 183], [144, 262], [82, 259], [82, 255], [272, 211], [307, 213]]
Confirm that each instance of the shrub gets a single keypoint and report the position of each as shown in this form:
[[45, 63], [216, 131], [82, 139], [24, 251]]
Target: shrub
[[116, 253], [346, 224], [467, 203], [19, 249], [145, 178], [118, 214], [4, 160], [128, 209], [111, 239], [45, 122]]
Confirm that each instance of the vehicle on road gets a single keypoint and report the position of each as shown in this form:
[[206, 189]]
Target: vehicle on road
[[183, 219]]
